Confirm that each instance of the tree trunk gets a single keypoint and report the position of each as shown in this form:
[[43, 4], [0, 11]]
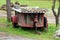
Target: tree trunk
[[8, 10], [57, 20], [54, 12]]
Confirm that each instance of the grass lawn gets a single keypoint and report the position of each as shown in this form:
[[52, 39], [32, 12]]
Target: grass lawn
[[2, 20], [41, 4], [29, 33]]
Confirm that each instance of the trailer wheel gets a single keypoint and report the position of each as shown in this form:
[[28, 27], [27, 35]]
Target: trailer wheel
[[45, 24]]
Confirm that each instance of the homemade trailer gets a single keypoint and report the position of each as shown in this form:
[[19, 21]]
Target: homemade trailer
[[29, 17]]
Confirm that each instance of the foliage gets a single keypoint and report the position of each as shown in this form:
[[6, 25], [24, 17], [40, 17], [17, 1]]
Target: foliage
[[41, 4]]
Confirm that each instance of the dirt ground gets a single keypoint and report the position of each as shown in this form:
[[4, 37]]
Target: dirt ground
[[4, 36]]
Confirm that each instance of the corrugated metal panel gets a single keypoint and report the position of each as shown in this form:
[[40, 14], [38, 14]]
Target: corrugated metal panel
[[29, 10]]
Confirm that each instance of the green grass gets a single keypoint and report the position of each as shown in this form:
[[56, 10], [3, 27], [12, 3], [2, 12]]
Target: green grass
[[2, 20], [41, 4], [30, 33]]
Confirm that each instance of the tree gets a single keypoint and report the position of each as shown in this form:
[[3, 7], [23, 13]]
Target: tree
[[8, 10], [54, 12]]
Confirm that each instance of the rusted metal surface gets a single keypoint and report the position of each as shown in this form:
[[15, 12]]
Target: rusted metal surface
[[27, 16], [29, 10], [28, 21]]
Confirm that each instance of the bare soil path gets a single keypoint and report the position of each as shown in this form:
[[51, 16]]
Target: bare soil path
[[4, 36]]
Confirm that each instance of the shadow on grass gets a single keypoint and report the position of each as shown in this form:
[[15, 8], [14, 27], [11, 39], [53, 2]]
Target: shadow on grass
[[31, 30]]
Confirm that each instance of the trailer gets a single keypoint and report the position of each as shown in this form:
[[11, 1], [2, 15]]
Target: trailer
[[29, 17]]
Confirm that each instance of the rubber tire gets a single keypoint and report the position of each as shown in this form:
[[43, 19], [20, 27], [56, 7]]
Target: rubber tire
[[45, 22]]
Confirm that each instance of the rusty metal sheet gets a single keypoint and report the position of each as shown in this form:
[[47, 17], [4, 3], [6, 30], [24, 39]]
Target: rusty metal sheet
[[29, 10]]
